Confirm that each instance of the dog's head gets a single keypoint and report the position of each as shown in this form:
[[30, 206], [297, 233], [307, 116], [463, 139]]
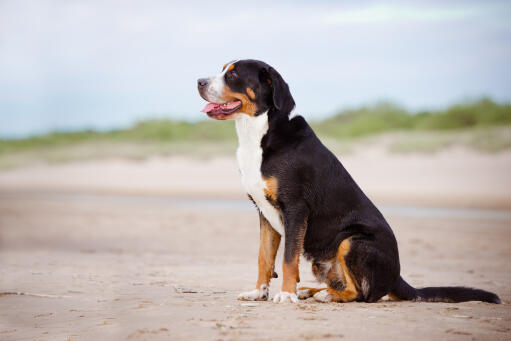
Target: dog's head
[[248, 87]]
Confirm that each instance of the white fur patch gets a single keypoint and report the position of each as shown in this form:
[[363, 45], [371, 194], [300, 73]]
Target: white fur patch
[[285, 297], [260, 294], [250, 131], [323, 268], [323, 296], [215, 88], [365, 287], [293, 114], [216, 85]]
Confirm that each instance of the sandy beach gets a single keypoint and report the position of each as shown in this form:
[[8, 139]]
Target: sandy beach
[[160, 249]]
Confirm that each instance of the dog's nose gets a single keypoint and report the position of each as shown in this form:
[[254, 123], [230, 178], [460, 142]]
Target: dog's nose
[[202, 82]]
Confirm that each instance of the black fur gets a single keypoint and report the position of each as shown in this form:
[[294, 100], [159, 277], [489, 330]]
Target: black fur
[[282, 99], [320, 203], [405, 291]]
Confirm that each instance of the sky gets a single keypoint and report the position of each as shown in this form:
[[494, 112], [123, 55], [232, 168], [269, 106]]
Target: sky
[[70, 65]]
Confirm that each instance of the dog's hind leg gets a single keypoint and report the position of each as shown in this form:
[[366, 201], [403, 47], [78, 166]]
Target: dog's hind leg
[[306, 292], [341, 286]]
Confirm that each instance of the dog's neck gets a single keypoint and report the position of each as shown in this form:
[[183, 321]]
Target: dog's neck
[[250, 130]]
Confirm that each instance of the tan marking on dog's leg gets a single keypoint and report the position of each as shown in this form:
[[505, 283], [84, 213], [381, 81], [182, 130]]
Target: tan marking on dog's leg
[[312, 291], [268, 247], [349, 293], [290, 275], [306, 292], [290, 265]]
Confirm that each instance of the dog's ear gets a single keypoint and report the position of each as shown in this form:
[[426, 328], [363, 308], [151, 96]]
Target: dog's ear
[[282, 99]]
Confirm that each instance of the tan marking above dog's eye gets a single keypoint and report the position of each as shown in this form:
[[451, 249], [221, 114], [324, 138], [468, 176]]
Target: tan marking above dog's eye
[[231, 63]]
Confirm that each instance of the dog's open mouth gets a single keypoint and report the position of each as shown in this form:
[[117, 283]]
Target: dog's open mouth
[[221, 111]]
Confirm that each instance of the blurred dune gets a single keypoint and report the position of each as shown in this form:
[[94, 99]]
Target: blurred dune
[[454, 177]]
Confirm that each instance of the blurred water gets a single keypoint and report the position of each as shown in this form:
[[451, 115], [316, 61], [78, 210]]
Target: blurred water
[[238, 204]]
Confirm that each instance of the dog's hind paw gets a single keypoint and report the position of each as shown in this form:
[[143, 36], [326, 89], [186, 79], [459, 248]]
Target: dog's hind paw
[[285, 297], [304, 293], [323, 296], [260, 294]]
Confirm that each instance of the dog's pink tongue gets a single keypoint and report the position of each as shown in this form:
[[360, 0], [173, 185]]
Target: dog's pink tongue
[[231, 105], [209, 107]]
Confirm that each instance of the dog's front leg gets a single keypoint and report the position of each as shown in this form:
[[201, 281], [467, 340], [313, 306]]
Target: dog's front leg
[[268, 246], [295, 225]]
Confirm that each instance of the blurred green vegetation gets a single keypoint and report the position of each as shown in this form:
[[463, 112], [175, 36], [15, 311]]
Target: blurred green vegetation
[[482, 124], [384, 117], [145, 131]]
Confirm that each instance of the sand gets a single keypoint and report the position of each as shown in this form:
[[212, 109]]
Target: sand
[[160, 249], [453, 178]]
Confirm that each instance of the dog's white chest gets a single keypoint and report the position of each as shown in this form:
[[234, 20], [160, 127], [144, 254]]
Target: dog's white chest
[[250, 131]]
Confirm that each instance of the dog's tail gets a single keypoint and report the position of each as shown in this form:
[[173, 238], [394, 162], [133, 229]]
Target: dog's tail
[[405, 291]]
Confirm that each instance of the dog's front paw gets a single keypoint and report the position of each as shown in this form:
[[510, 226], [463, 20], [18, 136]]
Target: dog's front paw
[[285, 297], [323, 296], [260, 294]]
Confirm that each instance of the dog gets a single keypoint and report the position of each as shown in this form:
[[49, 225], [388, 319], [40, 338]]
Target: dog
[[304, 194]]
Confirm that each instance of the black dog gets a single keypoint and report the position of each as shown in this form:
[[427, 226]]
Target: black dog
[[304, 193]]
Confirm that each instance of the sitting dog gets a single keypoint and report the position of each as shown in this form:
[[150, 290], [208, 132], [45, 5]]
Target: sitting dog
[[304, 194]]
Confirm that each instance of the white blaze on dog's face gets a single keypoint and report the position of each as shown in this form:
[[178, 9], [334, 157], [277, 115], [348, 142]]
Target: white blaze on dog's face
[[247, 87], [214, 92]]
